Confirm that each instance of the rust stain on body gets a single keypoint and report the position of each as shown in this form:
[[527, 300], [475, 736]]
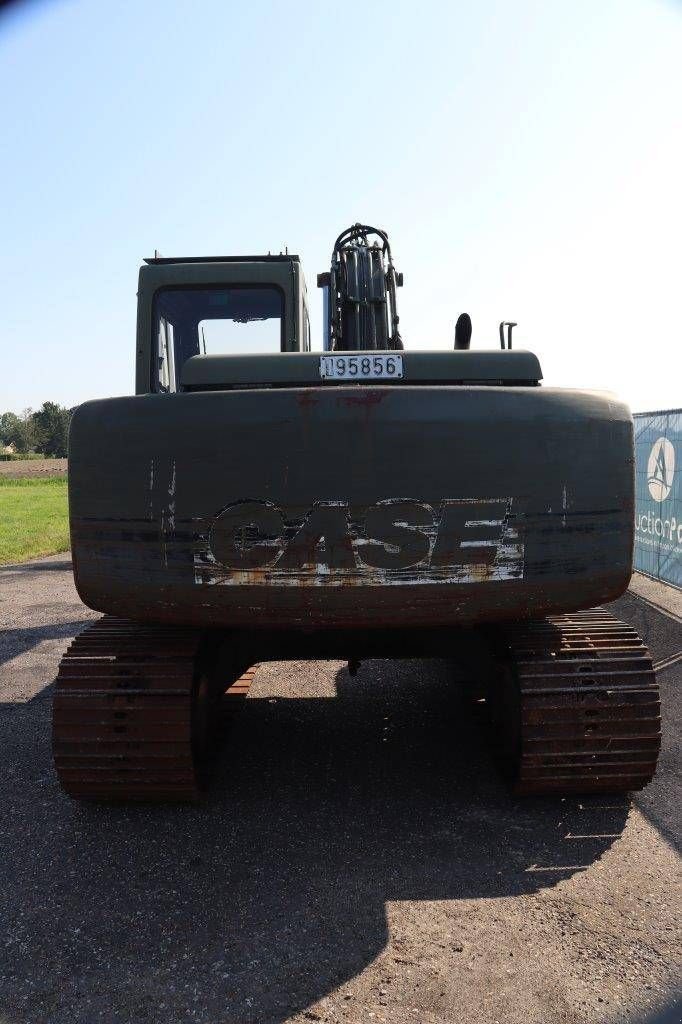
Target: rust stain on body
[[306, 398], [363, 401]]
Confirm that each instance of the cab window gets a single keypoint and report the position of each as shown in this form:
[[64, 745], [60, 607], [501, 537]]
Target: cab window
[[214, 320]]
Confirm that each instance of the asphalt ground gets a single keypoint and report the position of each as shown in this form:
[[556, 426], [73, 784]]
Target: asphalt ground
[[357, 859]]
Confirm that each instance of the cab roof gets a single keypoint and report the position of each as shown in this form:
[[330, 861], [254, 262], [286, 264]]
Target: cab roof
[[161, 260]]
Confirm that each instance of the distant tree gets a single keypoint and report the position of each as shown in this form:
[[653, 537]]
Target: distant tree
[[18, 430], [8, 425], [51, 429]]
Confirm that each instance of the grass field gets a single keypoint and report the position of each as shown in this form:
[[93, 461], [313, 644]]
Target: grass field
[[33, 517]]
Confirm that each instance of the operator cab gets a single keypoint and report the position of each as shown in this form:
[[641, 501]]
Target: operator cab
[[215, 306]]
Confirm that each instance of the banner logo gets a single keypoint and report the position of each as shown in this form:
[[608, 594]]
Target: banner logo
[[660, 469]]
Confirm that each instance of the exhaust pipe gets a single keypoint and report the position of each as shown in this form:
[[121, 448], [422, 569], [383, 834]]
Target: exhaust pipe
[[463, 332]]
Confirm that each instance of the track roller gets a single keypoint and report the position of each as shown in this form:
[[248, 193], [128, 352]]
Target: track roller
[[575, 706], [136, 711]]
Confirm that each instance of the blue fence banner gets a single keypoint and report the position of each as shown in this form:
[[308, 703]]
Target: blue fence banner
[[658, 495]]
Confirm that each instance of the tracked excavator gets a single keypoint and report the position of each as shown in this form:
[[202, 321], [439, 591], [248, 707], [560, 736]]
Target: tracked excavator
[[257, 500]]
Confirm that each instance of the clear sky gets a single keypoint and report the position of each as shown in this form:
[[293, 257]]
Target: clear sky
[[525, 157]]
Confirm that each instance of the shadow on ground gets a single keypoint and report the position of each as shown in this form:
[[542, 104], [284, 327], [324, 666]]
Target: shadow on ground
[[14, 642], [272, 894], [19, 568]]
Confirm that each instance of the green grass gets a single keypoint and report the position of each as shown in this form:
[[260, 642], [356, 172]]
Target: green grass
[[34, 518]]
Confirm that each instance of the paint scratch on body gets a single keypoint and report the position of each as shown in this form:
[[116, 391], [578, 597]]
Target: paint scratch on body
[[151, 490], [167, 519]]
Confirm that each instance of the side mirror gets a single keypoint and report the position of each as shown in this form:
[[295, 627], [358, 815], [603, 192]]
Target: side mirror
[[510, 325]]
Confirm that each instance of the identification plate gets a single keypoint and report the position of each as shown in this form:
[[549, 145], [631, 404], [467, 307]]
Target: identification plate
[[371, 366]]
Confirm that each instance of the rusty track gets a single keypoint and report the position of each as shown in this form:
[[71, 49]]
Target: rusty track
[[577, 707], [133, 716]]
